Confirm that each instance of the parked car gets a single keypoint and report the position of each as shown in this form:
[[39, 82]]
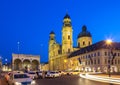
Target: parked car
[[21, 79], [75, 72], [62, 72], [40, 73], [32, 74], [52, 74]]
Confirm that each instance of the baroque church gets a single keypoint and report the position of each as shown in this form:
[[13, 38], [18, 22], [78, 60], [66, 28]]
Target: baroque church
[[85, 57], [58, 53]]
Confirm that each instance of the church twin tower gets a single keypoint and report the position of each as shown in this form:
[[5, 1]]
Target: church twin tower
[[84, 39]]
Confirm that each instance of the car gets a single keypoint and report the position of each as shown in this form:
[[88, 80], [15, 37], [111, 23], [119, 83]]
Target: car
[[62, 73], [32, 74], [21, 79], [40, 73], [52, 74], [74, 72]]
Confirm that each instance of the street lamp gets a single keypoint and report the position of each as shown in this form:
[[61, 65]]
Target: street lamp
[[6, 65], [65, 61], [111, 55]]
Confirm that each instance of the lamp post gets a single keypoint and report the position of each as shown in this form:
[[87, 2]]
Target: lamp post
[[109, 43], [6, 65], [65, 61]]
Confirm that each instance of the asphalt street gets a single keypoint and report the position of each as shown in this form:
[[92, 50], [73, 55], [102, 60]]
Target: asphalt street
[[68, 80]]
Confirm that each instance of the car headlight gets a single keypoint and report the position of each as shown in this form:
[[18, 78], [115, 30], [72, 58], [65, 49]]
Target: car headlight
[[18, 83], [33, 82]]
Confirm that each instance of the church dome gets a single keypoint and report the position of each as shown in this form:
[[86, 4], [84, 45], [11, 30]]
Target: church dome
[[66, 16], [52, 32], [84, 32]]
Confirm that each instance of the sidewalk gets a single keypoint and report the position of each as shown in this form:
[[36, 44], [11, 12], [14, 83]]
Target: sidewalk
[[114, 79]]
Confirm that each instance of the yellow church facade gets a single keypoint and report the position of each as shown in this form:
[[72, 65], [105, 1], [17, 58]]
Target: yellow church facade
[[58, 53], [85, 57]]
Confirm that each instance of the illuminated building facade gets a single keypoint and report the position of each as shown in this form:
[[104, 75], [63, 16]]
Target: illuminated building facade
[[23, 61], [96, 58], [58, 53]]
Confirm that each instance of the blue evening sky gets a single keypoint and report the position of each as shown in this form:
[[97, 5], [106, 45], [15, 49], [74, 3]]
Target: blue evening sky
[[30, 22]]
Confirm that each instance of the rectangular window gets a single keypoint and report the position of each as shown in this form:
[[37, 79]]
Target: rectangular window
[[91, 55], [68, 37], [94, 54], [118, 54], [94, 61], [105, 61], [59, 52], [86, 62], [115, 61], [105, 53], [98, 61], [68, 50], [98, 53], [118, 61]]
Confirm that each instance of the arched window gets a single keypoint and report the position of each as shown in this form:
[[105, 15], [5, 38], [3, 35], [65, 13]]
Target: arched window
[[83, 42], [68, 37], [89, 43]]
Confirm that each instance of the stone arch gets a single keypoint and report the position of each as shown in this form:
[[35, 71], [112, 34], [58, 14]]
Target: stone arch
[[35, 64], [26, 64], [17, 64]]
